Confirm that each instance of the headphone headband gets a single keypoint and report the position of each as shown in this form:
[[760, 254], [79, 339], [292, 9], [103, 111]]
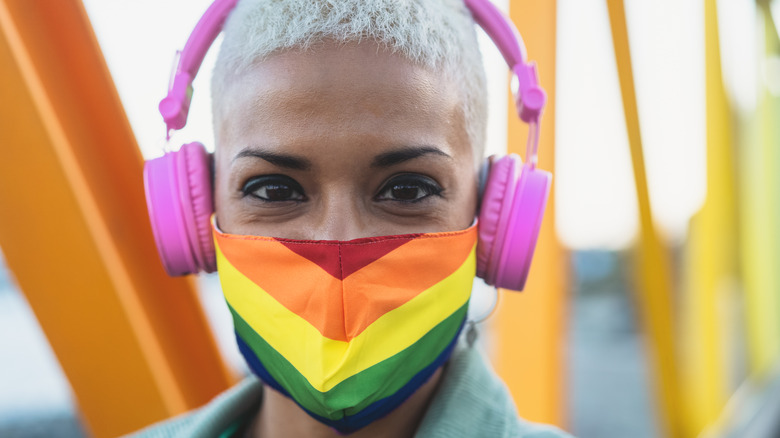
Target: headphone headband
[[530, 97], [179, 189], [176, 105]]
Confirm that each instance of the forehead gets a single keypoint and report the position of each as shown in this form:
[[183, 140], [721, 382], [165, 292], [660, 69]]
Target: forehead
[[344, 96]]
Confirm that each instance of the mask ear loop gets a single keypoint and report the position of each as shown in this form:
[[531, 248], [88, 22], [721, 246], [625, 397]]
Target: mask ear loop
[[471, 332]]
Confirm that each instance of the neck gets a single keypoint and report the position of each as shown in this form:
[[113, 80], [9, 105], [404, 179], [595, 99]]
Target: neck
[[281, 417]]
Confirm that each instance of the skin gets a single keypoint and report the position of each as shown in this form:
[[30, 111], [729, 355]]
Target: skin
[[338, 143]]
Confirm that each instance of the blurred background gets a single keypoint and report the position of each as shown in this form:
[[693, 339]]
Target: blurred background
[[652, 309]]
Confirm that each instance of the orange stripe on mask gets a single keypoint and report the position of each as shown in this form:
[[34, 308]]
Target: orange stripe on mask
[[306, 288]]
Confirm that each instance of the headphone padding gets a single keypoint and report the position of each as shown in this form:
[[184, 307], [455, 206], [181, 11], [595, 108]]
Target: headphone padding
[[499, 187], [196, 163]]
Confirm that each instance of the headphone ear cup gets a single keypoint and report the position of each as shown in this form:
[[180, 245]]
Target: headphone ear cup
[[179, 198], [509, 221]]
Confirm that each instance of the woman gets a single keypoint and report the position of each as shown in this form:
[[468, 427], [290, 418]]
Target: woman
[[349, 142]]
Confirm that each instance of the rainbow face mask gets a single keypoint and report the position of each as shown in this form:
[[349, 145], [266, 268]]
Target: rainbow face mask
[[348, 330]]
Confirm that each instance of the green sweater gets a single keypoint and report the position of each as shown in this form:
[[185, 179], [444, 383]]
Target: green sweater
[[471, 401]]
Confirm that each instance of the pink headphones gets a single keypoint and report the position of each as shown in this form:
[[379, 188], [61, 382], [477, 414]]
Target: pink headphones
[[179, 192]]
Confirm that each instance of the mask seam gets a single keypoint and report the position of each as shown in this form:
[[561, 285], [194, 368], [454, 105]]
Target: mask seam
[[444, 234], [343, 300]]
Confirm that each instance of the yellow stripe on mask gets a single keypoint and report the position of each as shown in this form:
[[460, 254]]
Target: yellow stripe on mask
[[295, 338]]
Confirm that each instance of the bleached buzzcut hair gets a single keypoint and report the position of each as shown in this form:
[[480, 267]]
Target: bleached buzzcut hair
[[437, 34]]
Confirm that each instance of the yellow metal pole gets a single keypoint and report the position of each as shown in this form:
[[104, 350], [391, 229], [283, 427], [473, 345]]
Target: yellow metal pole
[[758, 159], [770, 119], [133, 343], [653, 279], [530, 327], [710, 266]]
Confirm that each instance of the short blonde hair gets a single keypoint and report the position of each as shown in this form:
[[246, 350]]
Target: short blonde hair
[[437, 34]]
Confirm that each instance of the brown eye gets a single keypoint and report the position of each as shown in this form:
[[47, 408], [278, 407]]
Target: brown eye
[[405, 192], [409, 188], [274, 188]]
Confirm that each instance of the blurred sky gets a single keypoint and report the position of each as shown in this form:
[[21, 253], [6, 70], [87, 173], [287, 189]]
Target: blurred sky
[[596, 201]]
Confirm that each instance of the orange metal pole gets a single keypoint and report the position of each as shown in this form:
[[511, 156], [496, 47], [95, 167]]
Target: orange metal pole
[[134, 344], [530, 328], [653, 276]]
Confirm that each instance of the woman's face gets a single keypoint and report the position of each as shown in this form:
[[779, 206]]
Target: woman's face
[[340, 143]]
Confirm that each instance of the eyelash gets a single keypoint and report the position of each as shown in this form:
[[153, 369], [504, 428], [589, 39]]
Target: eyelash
[[282, 182], [427, 185], [418, 182]]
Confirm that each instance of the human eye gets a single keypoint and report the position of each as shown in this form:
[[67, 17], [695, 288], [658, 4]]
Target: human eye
[[408, 188], [274, 188]]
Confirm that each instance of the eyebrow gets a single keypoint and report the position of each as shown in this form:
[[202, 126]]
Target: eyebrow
[[398, 156], [278, 159]]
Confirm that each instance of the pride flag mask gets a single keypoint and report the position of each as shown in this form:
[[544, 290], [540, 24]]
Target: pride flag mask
[[348, 330]]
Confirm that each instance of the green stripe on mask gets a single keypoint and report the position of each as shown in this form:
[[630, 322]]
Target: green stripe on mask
[[360, 390]]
